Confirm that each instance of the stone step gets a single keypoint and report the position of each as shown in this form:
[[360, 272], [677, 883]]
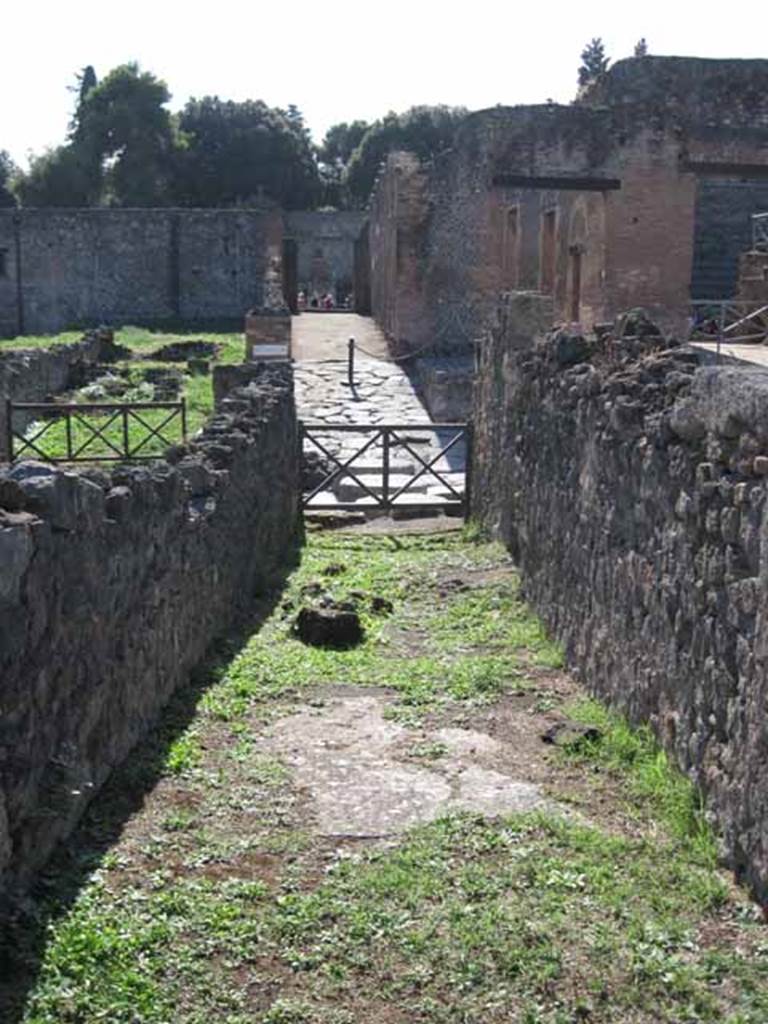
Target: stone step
[[347, 489]]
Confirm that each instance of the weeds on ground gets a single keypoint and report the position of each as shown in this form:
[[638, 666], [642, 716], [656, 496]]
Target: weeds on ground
[[217, 903]]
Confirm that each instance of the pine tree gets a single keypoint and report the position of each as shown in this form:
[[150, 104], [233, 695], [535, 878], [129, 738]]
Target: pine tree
[[594, 62]]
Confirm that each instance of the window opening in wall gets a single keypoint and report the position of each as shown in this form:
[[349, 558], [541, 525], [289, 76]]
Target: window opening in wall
[[575, 290], [548, 254], [512, 246], [3, 263]]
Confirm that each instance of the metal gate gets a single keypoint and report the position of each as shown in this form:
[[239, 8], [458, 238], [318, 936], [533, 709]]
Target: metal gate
[[385, 466]]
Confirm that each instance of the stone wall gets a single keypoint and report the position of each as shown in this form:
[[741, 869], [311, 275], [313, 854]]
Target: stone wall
[[69, 268], [113, 587], [34, 374], [632, 490], [325, 250]]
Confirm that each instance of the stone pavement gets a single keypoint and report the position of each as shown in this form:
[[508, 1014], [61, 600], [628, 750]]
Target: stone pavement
[[383, 394], [757, 355]]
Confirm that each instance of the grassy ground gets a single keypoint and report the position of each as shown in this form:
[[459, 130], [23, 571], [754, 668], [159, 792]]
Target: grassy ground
[[197, 390], [199, 890]]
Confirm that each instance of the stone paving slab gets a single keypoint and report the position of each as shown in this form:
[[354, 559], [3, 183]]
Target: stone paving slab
[[354, 763]]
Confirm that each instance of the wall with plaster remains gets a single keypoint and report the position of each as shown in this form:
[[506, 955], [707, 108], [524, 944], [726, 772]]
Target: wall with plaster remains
[[630, 483], [113, 587]]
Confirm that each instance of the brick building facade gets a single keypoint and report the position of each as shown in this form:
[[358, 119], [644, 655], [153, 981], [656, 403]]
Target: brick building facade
[[639, 194]]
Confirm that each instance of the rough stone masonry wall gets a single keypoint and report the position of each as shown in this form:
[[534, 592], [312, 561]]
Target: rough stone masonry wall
[[113, 586], [633, 492], [69, 268]]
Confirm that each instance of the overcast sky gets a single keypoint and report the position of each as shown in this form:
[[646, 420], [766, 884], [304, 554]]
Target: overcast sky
[[342, 60]]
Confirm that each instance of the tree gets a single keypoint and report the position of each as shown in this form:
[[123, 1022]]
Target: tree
[[60, 177], [84, 82], [7, 171], [641, 48], [235, 152], [119, 150], [333, 155], [122, 122], [594, 62], [422, 130]]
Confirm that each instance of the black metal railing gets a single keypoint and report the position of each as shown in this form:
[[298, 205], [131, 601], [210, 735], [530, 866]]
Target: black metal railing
[[382, 484], [728, 321], [94, 431]]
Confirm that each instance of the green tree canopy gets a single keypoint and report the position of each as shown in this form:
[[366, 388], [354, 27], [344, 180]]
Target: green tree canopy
[[60, 177], [123, 122], [594, 62], [7, 170], [422, 130], [235, 152]]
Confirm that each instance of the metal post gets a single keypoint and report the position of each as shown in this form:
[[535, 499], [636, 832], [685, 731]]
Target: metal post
[[68, 428], [385, 470], [351, 362], [720, 332], [184, 420], [468, 455], [126, 439], [9, 422]]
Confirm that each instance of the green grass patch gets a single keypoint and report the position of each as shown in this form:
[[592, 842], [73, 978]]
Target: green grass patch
[[217, 901], [460, 660], [652, 781], [85, 431]]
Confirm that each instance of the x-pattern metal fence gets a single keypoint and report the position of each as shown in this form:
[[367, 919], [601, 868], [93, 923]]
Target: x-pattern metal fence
[[94, 431], [728, 321], [386, 488]]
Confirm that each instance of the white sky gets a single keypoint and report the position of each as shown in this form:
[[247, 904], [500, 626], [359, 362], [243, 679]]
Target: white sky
[[339, 61]]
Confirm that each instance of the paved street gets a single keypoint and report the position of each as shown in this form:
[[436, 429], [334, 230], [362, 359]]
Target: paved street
[[383, 394]]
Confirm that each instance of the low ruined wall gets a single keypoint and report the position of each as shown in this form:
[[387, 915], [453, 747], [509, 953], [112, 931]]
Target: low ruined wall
[[31, 375], [113, 586], [633, 493]]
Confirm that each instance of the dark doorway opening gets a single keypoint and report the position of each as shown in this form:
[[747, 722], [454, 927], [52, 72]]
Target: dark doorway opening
[[575, 292], [548, 252]]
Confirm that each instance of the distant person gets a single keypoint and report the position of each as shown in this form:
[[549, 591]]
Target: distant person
[[301, 300], [314, 303], [328, 301]]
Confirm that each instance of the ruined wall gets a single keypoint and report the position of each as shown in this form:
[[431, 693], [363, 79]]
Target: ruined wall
[[397, 222], [325, 250], [31, 375], [113, 586], [69, 268], [633, 493], [649, 182]]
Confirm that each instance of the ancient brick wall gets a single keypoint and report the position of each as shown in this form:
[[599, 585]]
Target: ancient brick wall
[[397, 225], [69, 268], [633, 197], [113, 586], [632, 490]]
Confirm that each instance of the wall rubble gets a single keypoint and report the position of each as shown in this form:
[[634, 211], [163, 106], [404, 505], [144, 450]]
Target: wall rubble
[[632, 490], [113, 587], [34, 374]]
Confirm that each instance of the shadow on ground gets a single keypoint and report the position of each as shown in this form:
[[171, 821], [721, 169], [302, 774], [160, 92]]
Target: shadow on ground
[[24, 925]]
